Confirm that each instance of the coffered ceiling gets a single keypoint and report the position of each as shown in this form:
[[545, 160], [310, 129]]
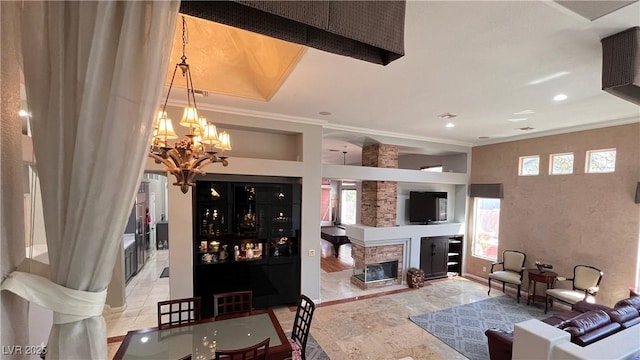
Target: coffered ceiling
[[496, 66]]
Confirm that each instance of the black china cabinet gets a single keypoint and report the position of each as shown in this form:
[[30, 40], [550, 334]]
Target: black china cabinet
[[246, 237]]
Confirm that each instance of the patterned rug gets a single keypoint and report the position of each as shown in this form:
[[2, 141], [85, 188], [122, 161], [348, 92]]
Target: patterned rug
[[462, 327], [314, 351]]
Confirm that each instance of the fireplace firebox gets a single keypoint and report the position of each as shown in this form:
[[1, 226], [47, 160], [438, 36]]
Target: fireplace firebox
[[378, 272]]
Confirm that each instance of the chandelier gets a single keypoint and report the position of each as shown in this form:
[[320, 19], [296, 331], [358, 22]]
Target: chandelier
[[186, 158]]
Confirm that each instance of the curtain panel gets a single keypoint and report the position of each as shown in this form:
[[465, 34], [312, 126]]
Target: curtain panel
[[94, 72]]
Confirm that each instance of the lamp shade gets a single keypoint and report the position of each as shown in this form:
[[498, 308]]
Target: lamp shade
[[190, 118], [165, 129], [225, 141], [210, 135]]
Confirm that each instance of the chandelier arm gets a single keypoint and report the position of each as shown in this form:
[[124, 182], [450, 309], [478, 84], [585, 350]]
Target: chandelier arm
[[170, 166], [200, 162]]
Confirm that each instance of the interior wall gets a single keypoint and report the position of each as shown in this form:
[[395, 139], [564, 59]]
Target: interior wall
[[450, 163], [307, 168], [565, 220]]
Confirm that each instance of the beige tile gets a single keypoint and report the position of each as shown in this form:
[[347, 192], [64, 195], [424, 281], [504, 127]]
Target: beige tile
[[371, 328]]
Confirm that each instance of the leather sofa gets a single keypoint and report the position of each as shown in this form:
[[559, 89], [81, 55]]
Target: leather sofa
[[587, 323]]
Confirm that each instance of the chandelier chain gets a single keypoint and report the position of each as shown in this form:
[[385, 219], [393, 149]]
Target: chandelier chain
[[185, 39]]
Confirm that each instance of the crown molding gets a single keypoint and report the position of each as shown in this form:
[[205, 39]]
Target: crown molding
[[567, 130]]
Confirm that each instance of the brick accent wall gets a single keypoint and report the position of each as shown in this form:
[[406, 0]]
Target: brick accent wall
[[374, 255], [379, 198], [378, 203], [380, 155]]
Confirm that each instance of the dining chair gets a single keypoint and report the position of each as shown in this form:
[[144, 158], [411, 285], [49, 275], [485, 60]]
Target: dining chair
[[584, 286], [301, 326], [230, 304], [178, 312], [512, 270], [259, 351]]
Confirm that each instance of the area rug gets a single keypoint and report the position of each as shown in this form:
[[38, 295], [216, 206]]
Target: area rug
[[165, 272], [462, 327], [314, 351]]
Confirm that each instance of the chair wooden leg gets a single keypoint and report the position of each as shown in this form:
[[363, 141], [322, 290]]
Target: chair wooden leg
[[503, 286], [518, 298], [489, 292], [546, 303]]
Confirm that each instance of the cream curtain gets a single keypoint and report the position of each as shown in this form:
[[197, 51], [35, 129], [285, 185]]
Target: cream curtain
[[93, 72]]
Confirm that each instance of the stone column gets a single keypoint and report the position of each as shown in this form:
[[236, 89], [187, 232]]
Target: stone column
[[379, 198]]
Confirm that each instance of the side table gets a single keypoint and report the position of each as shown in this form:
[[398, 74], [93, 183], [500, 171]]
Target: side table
[[535, 276]]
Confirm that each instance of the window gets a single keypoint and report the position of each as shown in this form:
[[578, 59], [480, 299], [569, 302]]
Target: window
[[529, 165], [486, 225], [432, 168], [561, 164], [348, 206], [601, 161]]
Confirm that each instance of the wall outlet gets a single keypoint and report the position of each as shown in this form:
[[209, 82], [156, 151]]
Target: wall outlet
[[312, 252], [484, 269]]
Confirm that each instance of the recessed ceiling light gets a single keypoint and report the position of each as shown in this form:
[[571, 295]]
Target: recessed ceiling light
[[450, 125], [447, 116], [324, 113], [524, 112], [526, 128], [517, 119], [23, 113], [560, 97]]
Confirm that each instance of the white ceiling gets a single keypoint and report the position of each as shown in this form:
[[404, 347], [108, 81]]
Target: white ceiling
[[483, 61]]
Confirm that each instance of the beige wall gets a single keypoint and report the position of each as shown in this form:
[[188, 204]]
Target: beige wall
[[574, 219]]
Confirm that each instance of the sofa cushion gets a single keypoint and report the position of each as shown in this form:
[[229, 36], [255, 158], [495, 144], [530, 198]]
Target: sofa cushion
[[585, 306], [632, 301], [586, 322], [623, 314], [560, 317]]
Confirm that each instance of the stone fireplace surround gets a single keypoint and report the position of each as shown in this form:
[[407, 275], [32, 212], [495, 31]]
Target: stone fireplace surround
[[401, 241], [364, 256]]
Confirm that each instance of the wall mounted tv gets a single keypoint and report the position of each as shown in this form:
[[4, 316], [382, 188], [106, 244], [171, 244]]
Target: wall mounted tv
[[427, 207]]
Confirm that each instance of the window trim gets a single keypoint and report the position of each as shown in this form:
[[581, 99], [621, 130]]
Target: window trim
[[521, 161], [473, 231], [573, 163], [587, 161]]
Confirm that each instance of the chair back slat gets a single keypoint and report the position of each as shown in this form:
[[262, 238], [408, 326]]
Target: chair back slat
[[178, 312], [302, 322], [230, 303]]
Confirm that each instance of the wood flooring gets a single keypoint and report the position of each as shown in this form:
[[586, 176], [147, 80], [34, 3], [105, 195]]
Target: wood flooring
[[333, 264]]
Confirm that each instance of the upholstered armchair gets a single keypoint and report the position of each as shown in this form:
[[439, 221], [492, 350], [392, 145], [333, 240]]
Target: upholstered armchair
[[583, 286], [512, 270]]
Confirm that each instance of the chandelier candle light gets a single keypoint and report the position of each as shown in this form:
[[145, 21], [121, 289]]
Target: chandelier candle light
[[187, 157]]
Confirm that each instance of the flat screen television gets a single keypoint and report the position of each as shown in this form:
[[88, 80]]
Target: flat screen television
[[427, 207]]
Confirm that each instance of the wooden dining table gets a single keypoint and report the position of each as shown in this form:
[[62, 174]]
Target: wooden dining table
[[201, 339]]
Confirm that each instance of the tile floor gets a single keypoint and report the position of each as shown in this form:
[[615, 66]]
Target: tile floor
[[373, 327]]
